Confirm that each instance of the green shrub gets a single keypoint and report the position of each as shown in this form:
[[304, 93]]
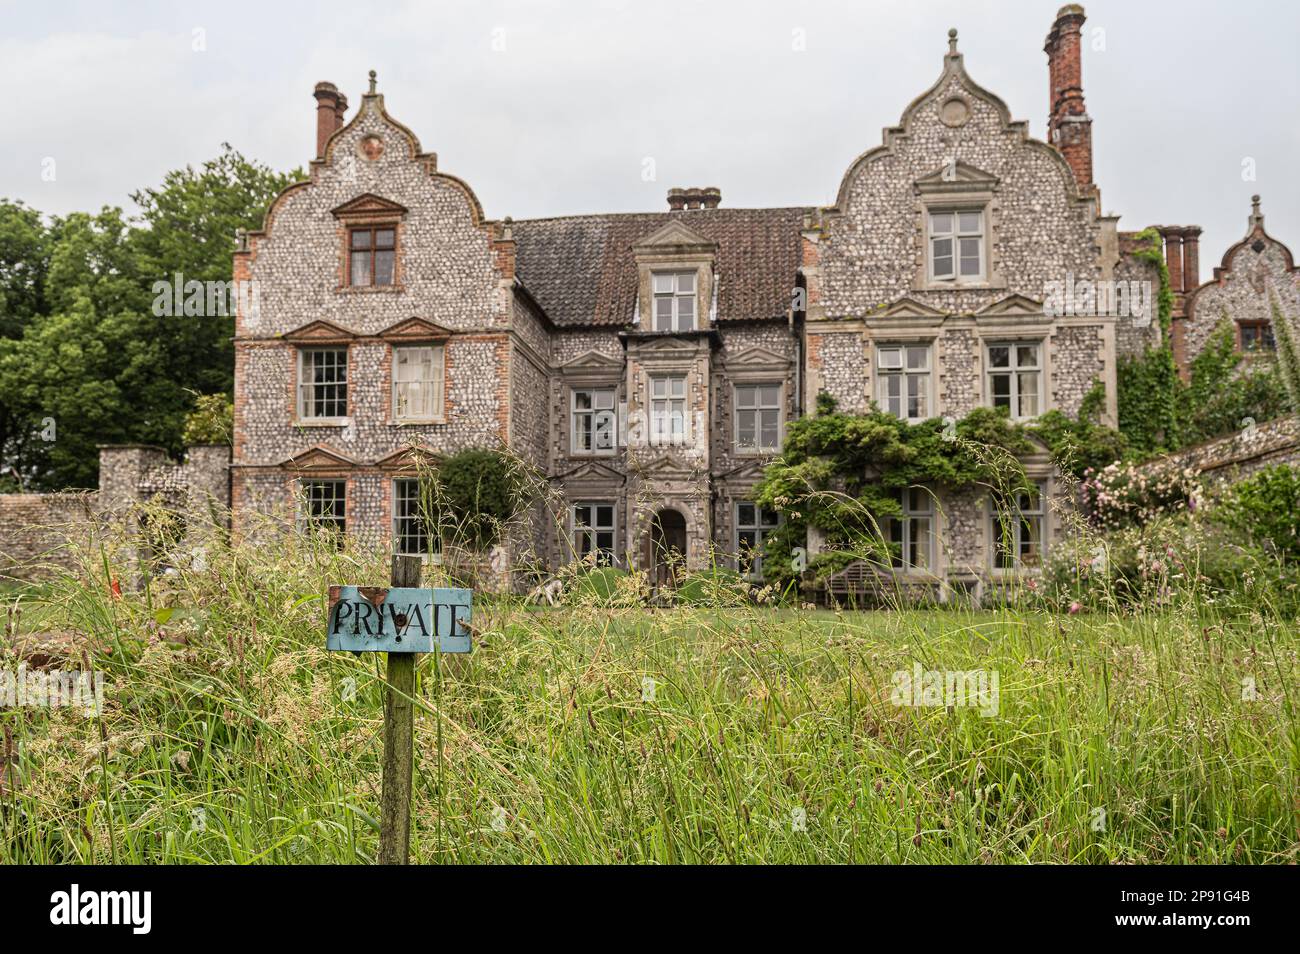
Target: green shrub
[[1266, 510], [1181, 559], [716, 586], [601, 583], [211, 422], [475, 492], [1125, 494]]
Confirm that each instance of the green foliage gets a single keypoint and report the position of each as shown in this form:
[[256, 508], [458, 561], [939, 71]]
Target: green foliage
[[1153, 252], [1265, 509], [79, 343], [713, 586], [96, 366], [1127, 494], [826, 403], [1225, 390], [627, 736], [1288, 361], [1170, 560], [842, 473], [475, 493], [1148, 390], [211, 422], [1148, 386], [1080, 445], [188, 226], [1158, 412], [24, 260]]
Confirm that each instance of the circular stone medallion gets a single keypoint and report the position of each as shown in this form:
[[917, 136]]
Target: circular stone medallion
[[955, 112], [372, 147]]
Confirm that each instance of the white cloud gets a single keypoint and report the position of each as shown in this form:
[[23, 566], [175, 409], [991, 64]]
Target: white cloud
[[559, 121]]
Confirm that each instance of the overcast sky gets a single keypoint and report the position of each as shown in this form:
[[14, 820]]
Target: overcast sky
[[551, 108]]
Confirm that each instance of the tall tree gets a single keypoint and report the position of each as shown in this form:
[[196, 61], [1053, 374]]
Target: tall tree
[[188, 228], [83, 358]]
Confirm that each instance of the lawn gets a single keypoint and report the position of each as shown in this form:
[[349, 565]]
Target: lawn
[[699, 735]]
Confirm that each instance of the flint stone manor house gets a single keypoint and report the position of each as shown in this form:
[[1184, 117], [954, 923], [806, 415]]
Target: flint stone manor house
[[648, 364]]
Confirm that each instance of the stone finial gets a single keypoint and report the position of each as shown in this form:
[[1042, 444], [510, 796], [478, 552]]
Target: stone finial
[[952, 42], [373, 82]]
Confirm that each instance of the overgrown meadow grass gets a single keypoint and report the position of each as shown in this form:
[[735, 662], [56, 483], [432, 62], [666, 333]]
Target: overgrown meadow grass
[[592, 735]]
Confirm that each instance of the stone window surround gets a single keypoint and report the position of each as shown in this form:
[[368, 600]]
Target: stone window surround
[[393, 517], [955, 237], [751, 379], [674, 296], [935, 513], [1039, 471], [297, 482], [1044, 396], [602, 483], [672, 365], [675, 258], [955, 197], [1033, 329], [906, 338], [762, 531], [373, 248], [440, 358], [756, 366], [1261, 326], [583, 377], [571, 388], [593, 501], [655, 432]]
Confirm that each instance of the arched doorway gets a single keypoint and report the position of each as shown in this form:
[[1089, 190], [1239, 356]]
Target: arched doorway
[[667, 547]]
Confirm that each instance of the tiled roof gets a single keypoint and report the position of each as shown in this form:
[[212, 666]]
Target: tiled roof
[[581, 271]]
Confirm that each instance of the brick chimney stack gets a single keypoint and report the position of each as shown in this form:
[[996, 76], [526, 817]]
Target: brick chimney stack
[[1069, 127], [1173, 236], [329, 114], [1191, 257]]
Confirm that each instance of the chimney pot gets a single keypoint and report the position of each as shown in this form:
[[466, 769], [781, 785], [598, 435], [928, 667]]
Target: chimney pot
[[711, 197], [676, 199]]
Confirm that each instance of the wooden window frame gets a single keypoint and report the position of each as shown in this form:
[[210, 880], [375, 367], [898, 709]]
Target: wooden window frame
[[373, 229]]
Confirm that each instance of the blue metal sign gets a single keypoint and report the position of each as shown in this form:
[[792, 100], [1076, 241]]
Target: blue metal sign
[[398, 620]]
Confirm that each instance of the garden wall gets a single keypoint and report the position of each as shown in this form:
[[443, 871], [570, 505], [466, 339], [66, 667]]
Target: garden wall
[[1243, 453], [36, 529]]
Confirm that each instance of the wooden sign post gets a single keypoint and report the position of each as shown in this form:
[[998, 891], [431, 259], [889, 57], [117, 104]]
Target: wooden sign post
[[399, 732], [401, 621]]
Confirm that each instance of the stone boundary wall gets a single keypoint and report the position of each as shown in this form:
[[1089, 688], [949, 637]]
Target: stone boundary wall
[[1243, 453], [36, 529]]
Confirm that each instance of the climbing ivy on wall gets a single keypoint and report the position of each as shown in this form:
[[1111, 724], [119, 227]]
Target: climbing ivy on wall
[[1159, 412], [1148, 385], [1224, 390], [842, 473], [1288, 369]]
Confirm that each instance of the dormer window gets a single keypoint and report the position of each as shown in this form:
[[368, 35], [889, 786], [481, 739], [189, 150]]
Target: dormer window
[[674, 301], [956, 245], [372, 252]]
